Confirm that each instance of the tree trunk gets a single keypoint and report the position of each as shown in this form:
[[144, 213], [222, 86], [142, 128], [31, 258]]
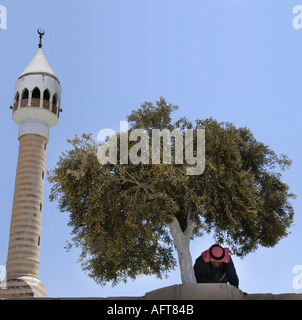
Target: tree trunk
[[182, 243]]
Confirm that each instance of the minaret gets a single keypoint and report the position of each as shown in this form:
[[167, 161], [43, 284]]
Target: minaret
[[36, 109]]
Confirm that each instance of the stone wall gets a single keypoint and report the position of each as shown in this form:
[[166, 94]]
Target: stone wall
[[201, 291], [211, 291]]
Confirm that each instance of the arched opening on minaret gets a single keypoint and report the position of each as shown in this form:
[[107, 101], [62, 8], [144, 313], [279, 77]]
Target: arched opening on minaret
[[16, 102], [35, 99], [54, 104], [24, 100], [46, 98]]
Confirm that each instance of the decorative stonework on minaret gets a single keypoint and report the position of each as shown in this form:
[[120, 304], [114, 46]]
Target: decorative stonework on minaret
[[36, 109]]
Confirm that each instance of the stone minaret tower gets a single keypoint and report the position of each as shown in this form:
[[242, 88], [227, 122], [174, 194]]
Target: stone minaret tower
[[36, 109]]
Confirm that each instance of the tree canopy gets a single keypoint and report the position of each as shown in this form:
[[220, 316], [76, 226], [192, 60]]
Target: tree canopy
[[121, 215]]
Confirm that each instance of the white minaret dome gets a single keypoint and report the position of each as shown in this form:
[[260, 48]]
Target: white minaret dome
[[37, 97], [39, 65]]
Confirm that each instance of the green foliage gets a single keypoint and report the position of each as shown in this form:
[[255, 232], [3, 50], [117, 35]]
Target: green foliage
[[118, 213]]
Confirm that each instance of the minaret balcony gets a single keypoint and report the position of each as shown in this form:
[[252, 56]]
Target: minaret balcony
[[35, 102], [16, 106], [24, 103], [46, 104]]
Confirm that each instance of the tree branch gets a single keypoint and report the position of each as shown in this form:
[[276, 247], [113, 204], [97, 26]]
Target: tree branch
[[190, 227], [174, 227]]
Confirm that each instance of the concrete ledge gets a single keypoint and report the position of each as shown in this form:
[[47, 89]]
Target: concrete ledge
[[200, 291], [270, 296]]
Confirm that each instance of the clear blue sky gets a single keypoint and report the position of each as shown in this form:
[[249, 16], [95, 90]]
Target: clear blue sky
[[233, 60]]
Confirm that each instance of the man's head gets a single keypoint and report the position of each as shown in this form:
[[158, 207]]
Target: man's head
[[217, 254]]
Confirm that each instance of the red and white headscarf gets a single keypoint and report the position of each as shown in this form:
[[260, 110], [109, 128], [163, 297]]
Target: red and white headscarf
[[217, 253]]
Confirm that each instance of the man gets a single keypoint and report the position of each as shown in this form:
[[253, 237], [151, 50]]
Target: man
[[215, 265]]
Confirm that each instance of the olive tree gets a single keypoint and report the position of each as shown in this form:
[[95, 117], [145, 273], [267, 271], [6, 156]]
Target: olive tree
[[127, 219]]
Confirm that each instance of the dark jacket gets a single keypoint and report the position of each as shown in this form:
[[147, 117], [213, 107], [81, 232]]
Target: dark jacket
[[207, 273]]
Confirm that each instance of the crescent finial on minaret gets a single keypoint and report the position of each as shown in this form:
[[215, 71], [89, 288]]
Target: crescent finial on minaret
[[41, 33]]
